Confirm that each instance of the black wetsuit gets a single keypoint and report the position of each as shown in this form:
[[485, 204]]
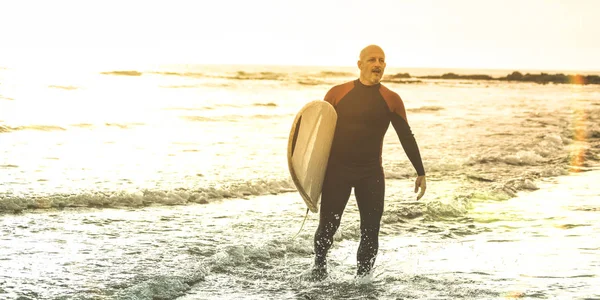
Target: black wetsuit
[[364, 115]]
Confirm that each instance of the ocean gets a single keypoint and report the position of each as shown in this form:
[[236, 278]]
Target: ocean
[[171, 182]]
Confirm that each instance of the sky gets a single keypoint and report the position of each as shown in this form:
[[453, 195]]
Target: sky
[[481, 34]]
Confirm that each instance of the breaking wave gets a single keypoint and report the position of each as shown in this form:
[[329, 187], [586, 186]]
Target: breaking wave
[[270, 104], [4, 128], [61, 87], [184, 74], [143, 198], [123, 73], [425, 109]]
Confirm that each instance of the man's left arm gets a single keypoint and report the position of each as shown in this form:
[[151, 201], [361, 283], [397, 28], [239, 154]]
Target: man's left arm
[[409, 144]]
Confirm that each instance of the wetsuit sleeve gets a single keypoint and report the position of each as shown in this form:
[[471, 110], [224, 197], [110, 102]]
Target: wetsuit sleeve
[[407, 139], [330, 96], [336, 93]]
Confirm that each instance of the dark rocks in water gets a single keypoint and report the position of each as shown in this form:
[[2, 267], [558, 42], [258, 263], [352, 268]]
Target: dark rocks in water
[[402, 81], [545, 78], [516, 76], [456, 76], [542, 78], [398, 76]]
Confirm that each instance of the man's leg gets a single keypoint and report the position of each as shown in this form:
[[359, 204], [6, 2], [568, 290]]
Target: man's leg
[[369, 193], [335, 195]]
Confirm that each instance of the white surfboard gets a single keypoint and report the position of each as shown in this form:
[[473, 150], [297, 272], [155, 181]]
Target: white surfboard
[[309, 146]]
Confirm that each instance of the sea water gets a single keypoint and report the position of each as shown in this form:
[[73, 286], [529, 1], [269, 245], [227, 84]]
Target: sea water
[[172, 182]]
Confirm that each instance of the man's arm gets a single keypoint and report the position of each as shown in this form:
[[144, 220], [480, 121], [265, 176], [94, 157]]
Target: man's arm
[[407, 139]]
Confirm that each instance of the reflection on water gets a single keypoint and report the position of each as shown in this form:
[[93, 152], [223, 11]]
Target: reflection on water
[[115, 187]]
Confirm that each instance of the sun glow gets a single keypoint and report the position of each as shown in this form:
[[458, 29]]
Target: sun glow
[[579, 120], [453, 34]]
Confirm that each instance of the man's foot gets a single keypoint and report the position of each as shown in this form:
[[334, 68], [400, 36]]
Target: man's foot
[[318, 273], [364, 272], [364, 277]]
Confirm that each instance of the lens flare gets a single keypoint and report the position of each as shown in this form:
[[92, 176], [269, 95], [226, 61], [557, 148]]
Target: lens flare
[[515, 295], [577, 79], [580, 130]]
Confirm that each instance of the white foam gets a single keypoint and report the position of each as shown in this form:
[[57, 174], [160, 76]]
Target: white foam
[[523, 158], [136, 197]]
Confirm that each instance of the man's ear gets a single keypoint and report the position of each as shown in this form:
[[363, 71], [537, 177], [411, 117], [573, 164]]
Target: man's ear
[[359, 64]]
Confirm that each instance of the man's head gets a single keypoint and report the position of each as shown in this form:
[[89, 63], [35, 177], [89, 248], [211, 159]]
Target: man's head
[[371, 64]]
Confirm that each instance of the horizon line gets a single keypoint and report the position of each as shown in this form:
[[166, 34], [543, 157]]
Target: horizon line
[[292, 65], [387, 67]]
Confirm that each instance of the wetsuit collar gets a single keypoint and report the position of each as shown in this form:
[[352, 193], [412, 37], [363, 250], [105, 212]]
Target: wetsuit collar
[[360, 84]]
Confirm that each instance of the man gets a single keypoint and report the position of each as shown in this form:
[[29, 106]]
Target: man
[[365, 109]]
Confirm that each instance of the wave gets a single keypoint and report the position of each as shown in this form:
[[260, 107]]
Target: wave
[[230, 118], [83, 125], [539, 154], [67, 87], [184, 74], [8, 166], [201, 119], [270, 104], [163, 286], [310, 82], [336, 74], [142, 198], [309, 78], [31, 127], [123, 73], [123, 125], [425, 109], [49, 128], [241, 75]]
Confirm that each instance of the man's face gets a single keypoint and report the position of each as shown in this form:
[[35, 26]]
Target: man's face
[[372, 65]]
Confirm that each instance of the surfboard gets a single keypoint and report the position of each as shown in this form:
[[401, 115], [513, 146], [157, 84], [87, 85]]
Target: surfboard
[[309, 146]]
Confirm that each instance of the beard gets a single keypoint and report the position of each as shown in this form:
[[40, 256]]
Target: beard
[[376, 77]]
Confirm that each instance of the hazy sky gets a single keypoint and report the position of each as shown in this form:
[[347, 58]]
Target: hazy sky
[[506, 34]]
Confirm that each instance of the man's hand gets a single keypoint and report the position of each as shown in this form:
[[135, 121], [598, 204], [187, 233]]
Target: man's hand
[[420, 183]]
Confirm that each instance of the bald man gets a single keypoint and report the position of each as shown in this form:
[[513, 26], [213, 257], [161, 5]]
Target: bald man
[[365, 109]]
